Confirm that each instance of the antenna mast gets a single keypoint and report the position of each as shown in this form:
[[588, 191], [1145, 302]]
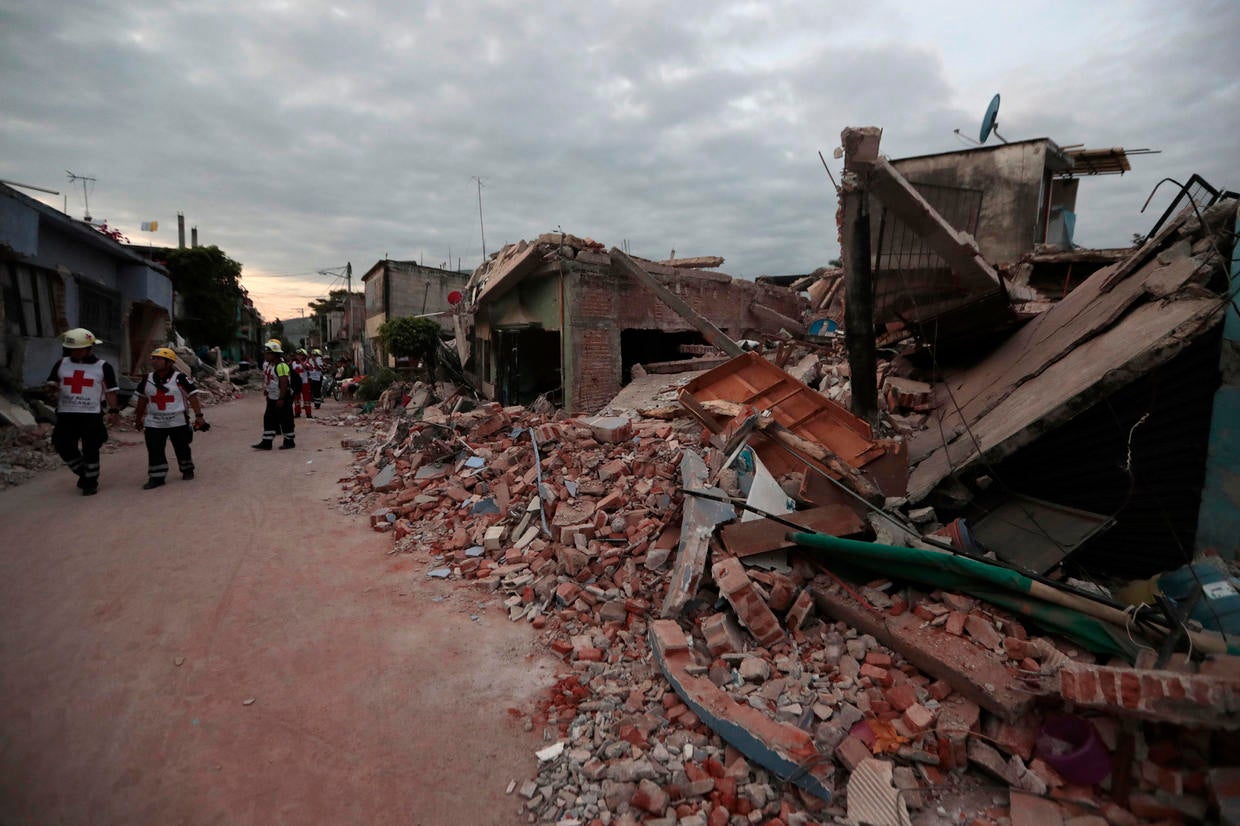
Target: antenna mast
[[83, 178], [481, 227]]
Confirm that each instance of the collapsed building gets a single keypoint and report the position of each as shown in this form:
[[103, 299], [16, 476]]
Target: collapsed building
[[773, 608], [563, 317]]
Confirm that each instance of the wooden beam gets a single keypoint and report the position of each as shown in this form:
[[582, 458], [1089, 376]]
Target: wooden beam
[[677, 304]]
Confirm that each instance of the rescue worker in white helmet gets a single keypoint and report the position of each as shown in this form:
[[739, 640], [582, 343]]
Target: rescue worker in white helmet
[[278, 416], [301, 396], [81, 381], [316, 377], [163, 396]]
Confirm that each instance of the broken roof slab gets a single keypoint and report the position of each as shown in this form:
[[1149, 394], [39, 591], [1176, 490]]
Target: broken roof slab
[[1124, 321]]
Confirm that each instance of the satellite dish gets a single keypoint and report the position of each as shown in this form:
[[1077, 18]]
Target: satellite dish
[[990, 120]]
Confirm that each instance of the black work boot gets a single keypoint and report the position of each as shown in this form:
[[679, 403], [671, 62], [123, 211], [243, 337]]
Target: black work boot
[[153, 483], [288, 444], [263, 445]]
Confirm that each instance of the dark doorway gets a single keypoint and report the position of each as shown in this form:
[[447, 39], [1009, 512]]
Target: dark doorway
[[1139, 456], [652, 346], [527, 364]]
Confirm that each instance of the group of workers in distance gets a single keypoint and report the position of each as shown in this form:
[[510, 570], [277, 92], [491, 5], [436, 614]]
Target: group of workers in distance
[[291, 388], [82, 382]]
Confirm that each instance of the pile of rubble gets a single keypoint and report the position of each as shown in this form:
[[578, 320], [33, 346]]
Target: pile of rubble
[[24, 451], [776, 692]]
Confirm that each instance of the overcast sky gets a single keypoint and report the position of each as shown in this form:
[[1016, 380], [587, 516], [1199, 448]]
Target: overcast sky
[[300, 135]]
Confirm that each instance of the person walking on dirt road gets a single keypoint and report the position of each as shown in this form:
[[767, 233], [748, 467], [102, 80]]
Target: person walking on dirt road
[[301, 397], [316, 377], [278, 417], [81, 381], [163, 395]]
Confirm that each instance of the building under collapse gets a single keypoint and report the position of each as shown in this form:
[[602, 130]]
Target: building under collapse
[[562, 317]]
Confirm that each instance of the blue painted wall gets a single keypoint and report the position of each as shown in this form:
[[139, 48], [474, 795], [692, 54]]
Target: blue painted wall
[[1218, 520]]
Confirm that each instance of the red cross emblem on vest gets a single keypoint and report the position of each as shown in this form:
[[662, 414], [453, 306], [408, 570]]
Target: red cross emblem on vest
[[78, 381], [161, 399]]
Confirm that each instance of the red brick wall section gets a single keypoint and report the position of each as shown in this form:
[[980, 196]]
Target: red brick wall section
[[601, 303], [1166, 696], [598, 367]]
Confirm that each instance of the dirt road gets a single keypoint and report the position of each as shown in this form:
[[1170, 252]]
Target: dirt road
[[234, 650]]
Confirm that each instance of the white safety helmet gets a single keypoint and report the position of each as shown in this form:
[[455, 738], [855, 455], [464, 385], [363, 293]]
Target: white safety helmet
[[79, 337], [273, 346]]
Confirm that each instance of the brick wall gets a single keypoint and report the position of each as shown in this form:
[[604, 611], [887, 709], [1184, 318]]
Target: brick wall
[[601, 303]]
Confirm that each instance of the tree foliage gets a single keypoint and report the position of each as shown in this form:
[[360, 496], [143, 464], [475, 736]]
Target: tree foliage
[[410, 337], [336, 301], [209, 283]]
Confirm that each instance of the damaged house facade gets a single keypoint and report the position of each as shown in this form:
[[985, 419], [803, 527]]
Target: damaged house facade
[[59, 273], [396, 289], [1091, 405], [564, 317]]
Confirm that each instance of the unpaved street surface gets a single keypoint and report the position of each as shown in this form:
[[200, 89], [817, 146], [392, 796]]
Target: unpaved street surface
[[234, 650]]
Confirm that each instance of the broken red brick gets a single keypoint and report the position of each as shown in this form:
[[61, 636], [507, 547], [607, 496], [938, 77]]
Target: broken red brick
[[917, 718], [851, 752], [902, 696], [879, 676], [799, 611], [983, 631]]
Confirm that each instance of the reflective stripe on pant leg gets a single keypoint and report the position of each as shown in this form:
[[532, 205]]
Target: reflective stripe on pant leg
[[156, 457], [94, 434], [181, 438], [271, 420]]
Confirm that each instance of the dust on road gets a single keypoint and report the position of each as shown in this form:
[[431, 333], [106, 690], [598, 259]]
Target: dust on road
[[377, 697]]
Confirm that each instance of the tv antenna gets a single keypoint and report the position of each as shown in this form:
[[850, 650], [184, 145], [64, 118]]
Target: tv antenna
[[481, 227], [83, 178], [990, 121]]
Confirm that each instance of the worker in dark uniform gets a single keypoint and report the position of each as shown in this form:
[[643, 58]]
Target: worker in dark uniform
[[163, 396], [81, 381], [278, 417]]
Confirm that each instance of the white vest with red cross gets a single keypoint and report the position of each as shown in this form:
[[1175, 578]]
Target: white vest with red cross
[[81, 387], [165, 406]]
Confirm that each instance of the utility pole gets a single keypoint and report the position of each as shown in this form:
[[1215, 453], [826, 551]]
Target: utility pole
[[860, 154], [348, 294], [481, 228]]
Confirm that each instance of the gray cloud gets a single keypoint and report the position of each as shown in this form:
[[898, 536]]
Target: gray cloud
[[298, 136]]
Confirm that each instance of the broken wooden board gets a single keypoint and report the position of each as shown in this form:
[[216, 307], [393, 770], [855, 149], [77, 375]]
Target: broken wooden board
[[972, 672], [762, 535], [700, 518], [785, 750]]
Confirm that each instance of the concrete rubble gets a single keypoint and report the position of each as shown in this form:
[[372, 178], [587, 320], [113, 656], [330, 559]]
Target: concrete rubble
[[761, 696]]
